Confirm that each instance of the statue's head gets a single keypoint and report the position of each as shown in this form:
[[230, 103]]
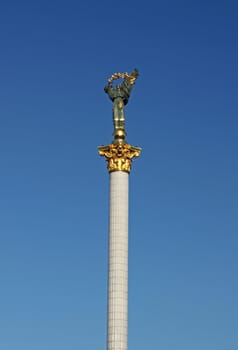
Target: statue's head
[[118, 87]]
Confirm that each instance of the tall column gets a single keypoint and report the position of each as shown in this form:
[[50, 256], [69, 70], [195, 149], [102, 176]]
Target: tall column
[[118, 262], [119, 156]]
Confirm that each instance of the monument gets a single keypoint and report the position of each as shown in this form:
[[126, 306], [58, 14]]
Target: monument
[[119, 155]]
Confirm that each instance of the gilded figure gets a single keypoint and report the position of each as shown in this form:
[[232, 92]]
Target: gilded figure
[[120, 96]]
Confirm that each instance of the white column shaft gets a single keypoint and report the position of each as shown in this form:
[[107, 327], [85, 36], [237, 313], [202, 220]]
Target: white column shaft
[[118, 262]]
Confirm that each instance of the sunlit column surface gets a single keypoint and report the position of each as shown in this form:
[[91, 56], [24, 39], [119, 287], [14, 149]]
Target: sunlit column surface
[[118, 262]]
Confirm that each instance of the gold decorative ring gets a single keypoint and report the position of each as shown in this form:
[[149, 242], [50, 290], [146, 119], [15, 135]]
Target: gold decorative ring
[[116, 76]]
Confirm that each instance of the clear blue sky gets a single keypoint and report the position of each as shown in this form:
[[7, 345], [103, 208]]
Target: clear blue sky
[[55, 59]]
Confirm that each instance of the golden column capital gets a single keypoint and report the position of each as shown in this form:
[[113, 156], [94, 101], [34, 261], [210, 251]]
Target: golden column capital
[[119, 156]]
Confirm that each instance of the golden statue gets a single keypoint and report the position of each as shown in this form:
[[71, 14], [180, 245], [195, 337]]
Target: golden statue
[[120, 154], [120, 96]]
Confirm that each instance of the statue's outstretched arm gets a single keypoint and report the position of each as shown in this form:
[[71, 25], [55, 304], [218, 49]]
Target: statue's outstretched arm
[[110, 91], [108, 87], [129, 81]]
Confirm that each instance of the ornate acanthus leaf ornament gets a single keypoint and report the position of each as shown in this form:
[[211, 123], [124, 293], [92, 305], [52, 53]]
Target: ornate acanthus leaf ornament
[[119, 156]]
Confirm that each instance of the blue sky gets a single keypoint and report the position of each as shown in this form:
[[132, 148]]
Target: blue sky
[[55, 59]]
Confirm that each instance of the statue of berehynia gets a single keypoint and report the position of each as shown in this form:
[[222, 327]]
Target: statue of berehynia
[[120, 95]]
